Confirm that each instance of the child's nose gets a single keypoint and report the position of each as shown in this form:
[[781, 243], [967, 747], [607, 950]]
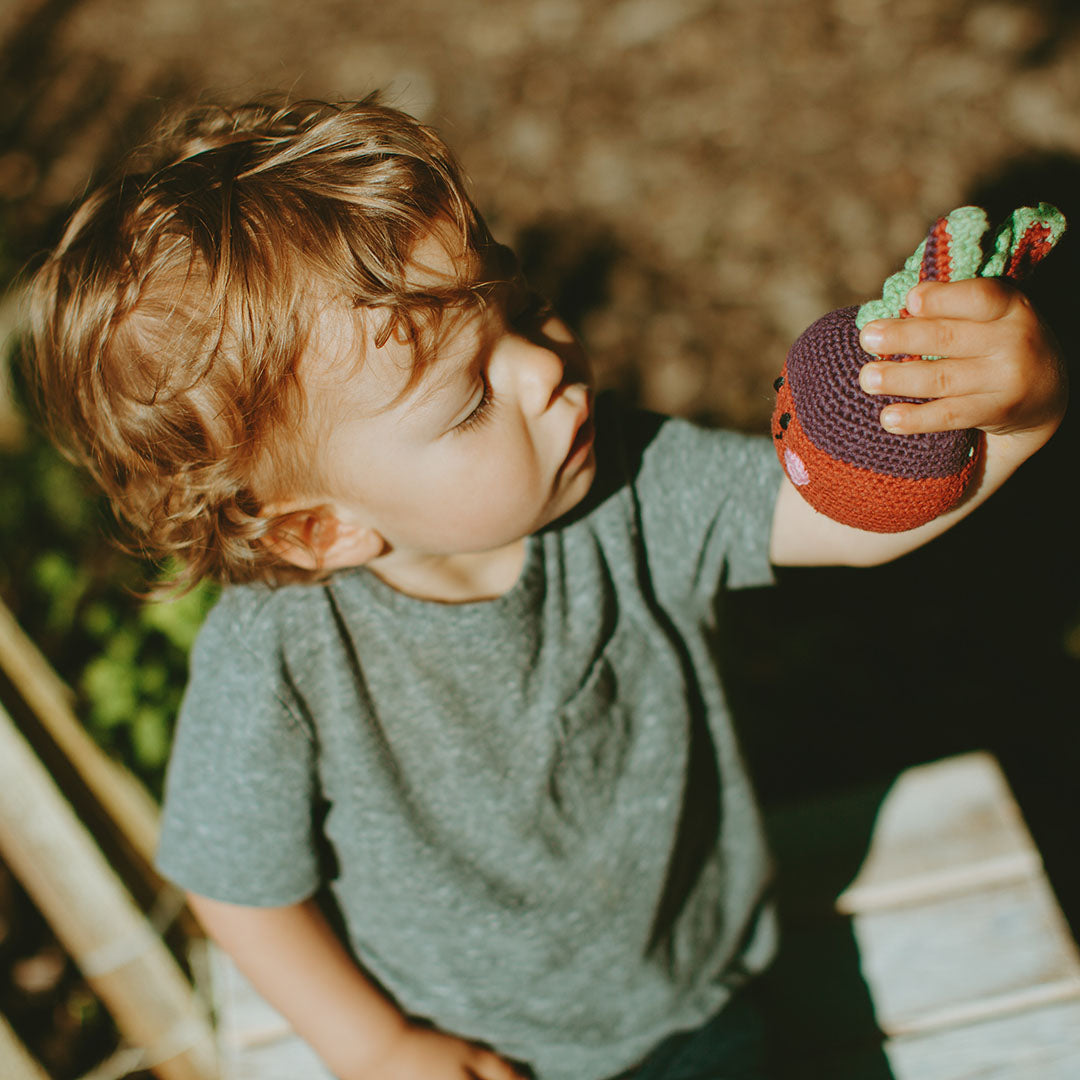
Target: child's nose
[[539, 373]]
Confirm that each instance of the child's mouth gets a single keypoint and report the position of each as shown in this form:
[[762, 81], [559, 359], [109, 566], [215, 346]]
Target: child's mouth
[[582, 443]]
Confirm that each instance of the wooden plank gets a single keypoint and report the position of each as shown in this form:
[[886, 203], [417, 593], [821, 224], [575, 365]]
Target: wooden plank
[[1036, 1044], [953, 915], [127, 803], [944, 827], [15, 1060], [945, 937], [123, 959], [966, 957]]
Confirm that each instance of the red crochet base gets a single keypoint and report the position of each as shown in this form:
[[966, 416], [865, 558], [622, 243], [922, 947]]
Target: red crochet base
[[874, 502]]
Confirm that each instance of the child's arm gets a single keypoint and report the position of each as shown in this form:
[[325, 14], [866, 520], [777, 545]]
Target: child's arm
[[294, 959], [1000, 372]]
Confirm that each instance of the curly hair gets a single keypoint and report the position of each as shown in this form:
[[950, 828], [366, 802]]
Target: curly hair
[[167, 327]]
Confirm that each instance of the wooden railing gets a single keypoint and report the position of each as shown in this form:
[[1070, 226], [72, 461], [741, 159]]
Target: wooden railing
[[90, 906]]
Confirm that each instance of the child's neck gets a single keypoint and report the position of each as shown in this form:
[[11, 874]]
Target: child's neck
[[453, 579]]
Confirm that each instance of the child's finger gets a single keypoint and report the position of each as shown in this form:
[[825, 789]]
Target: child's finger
[[923, 378], [926, 337], [947, 414], [977, 299]]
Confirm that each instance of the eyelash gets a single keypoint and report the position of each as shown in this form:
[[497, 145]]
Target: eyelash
[[481, 412], [534, 309]]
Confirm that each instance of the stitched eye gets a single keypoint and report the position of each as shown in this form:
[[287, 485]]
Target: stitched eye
[[778, 383]]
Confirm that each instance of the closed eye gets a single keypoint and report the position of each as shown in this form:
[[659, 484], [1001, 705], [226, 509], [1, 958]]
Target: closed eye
[[480, 413]]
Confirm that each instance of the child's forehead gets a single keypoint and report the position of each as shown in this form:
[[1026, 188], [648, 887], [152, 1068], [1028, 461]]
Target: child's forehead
[[365, 352], [443, 258], [351, 358]]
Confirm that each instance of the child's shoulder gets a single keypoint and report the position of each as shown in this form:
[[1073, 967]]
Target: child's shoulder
[[257, 618]]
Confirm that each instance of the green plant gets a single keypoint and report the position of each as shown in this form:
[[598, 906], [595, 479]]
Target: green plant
[[78, 598]]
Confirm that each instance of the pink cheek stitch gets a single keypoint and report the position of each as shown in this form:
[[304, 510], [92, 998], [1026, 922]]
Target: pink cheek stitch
[[795, 468]]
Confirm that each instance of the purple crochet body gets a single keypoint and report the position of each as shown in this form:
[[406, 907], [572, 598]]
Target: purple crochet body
[[841, 419]]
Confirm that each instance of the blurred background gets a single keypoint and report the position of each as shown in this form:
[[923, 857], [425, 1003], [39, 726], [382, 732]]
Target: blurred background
[[693, 181]]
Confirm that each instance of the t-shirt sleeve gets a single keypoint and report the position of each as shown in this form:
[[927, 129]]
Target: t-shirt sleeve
[[237, 820], [707, 498]]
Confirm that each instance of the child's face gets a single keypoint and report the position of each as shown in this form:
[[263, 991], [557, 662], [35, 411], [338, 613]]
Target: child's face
[[492, 443]]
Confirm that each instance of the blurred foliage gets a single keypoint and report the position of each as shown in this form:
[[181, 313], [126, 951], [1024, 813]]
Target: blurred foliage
[[78, 597]]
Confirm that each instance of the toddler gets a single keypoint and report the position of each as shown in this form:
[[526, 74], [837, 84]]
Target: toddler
[[454, 780]]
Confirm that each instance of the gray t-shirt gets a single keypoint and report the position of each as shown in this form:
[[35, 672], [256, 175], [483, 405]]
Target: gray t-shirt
[[530, 813]]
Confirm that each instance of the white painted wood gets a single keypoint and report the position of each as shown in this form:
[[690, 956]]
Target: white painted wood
[[1036, 1044], [929, 965], [973, 971], [947, 826]]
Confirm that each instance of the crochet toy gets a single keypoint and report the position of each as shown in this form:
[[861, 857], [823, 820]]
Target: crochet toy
[[826, 428]]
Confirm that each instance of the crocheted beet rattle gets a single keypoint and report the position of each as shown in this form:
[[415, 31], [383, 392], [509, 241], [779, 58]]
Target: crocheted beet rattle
[[825, 426]]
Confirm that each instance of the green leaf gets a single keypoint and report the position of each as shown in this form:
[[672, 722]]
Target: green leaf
[[110, 689], [179, 620], [151, 737]]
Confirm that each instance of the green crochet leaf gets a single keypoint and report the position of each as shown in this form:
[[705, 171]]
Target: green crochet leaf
[[1010, 234], [894, 293], [1018, 244]]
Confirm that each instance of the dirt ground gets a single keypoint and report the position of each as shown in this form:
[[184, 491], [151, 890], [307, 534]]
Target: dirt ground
[[692, 180], [696, 180]]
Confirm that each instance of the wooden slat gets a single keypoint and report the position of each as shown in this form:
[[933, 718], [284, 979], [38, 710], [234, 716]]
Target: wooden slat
[[125, 801], [945, 827], [959, 941], [985, 953], [1036, 1044], [15, 1060], [953, 915], [123, 959]]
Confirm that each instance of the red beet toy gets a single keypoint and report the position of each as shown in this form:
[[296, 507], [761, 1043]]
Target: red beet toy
[[825, 426]]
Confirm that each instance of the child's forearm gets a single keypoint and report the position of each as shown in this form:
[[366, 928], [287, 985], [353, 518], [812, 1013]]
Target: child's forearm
[[296, 962], [294, 959]]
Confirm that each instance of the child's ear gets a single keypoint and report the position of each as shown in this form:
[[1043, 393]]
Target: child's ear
[[317, 539]]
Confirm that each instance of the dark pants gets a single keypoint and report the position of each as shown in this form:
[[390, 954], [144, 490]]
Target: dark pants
[[730, 1046]]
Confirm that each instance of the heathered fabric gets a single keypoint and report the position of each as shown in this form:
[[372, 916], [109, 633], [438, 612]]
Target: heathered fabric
[[530, 812]]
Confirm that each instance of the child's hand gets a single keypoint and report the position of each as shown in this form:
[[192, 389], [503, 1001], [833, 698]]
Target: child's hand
[[427, 1054], [1000, 369]]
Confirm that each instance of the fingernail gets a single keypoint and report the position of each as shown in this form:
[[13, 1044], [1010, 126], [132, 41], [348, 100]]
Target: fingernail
[[913, 302], [870, 378], [872, 337], [890, 418]]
